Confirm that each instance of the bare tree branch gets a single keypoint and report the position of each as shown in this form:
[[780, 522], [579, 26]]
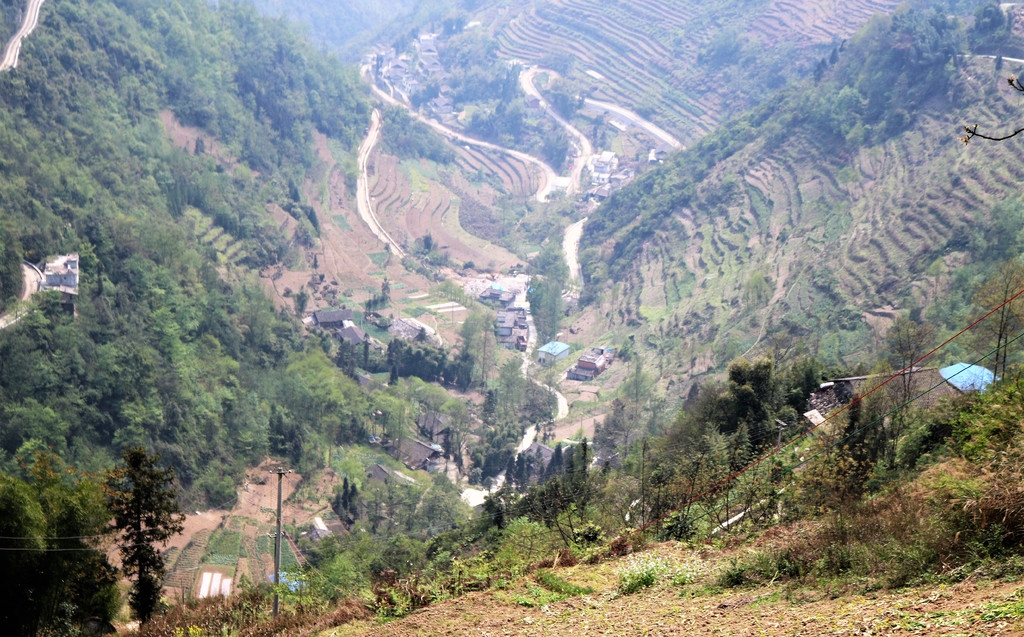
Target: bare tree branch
[[972, 131]]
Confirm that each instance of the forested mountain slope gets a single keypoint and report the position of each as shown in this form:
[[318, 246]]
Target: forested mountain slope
[[822, 211], [174, 345]]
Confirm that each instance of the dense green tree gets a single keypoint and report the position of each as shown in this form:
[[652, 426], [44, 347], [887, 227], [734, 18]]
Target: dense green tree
[[56, 572], [143, 501]]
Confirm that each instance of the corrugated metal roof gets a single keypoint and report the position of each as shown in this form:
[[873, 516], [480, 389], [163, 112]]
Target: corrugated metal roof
[[555, 348], [967, 377]]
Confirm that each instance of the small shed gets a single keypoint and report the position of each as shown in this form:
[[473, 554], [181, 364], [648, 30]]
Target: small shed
[[552, 352]]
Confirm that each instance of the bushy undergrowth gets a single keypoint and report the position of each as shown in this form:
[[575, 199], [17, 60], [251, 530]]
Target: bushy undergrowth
[[963, 513], [640, 572], [248, 614]]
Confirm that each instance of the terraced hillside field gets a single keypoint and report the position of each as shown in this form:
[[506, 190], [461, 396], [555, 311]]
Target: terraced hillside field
[[686, 64], [517, 178], [797, 239], [412, 199]]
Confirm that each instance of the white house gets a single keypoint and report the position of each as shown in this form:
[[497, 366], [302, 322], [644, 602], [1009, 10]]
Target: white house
[[552, 352]]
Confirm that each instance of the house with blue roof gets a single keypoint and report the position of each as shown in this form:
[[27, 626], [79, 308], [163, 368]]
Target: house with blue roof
[[552, 353], [967, 377]]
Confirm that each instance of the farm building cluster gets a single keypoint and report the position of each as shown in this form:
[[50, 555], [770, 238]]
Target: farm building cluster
[[606, 176], [408, 75], [591, 364], [511, 328], [341, 325]]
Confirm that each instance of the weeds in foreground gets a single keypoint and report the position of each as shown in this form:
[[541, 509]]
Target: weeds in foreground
[[640, 572]]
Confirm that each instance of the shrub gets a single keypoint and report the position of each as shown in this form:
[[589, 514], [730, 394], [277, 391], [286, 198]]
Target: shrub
[[641, 571], [556, 584]]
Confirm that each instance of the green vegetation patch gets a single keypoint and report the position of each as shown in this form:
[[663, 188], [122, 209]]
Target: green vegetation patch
[[653, 314], [341, 222], [224, 547], [379, 258]]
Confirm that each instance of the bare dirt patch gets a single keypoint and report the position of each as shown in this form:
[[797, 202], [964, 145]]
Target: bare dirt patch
[[185, 137], [569, 427]]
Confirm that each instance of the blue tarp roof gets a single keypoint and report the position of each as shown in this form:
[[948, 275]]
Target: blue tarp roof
[[968, 377], [555, 348]]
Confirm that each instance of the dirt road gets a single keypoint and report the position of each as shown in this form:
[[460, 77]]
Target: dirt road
[[549, 173], [28, 25], [363, 204], [31, 278], [583, 145], [635, 120]]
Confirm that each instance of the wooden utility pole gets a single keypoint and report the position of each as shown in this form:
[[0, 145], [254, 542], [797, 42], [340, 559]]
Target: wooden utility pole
[[280, 471]]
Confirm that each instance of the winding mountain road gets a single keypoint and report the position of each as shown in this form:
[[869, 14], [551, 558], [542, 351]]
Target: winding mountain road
[[549, 173], [583, 145], [31, 278], [635, 120], [28, 25], [363, 204]]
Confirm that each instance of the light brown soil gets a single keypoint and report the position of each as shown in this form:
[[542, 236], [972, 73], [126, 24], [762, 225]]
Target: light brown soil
[[195, 522], [568, 427], [968, 608], [185, 137]]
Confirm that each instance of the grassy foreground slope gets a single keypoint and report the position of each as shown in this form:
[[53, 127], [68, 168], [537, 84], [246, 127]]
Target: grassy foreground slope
[[822, 210]]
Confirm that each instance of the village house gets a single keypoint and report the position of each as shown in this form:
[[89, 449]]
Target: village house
[[497, 294], [602, 167], [504, 324], [319, 530], [352, 335], [533, 107], [410, 329], [332, 319], [552, 353], [433, 425], [590, 365], [942, 383], [418, 455], [541, 454], [379, 472], [61, 274], [441, 105]]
